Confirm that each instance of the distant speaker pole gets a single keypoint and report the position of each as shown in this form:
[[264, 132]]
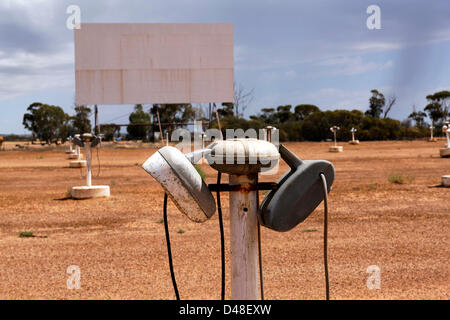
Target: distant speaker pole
[[160, 129], [154, 120], [97, 123], [218, 121], [209, 114]]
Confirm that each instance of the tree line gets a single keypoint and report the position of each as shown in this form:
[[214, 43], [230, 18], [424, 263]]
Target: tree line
[[303, 122], [50, 123], [306, 122]]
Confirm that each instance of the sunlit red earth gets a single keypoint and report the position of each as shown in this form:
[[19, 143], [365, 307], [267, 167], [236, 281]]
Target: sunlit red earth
[[119, 242]]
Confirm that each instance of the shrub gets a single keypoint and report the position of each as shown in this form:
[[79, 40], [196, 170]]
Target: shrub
[[26, 234], [399, 179], [200, 171], [396, 178]]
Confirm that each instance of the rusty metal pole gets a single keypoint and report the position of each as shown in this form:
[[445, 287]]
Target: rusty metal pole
[[269, 133], [243, 160], [244, 236]]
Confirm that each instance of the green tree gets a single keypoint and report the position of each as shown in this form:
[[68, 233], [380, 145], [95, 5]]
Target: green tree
[[175, 114], [267, 116], [109, 131], [435, 112], [284, 114], [418, 117], [187, 113], [380, 129], [438, 106], [47, 122], [81, 122], [137, 118], [29, 118], [303, 110], [226, 110], [376, 104], [316, 126]]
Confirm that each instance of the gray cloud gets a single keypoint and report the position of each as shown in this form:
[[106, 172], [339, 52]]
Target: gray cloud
[[278, 44], [23, 38]]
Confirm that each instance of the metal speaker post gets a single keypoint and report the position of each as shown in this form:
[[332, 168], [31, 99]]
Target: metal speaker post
[[243, 159], [88, 191]]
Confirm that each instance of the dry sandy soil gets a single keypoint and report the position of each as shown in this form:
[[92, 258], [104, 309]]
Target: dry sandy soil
[[119, 243]]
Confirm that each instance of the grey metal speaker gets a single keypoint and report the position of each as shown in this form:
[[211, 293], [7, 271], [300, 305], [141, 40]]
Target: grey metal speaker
[[77, 141], [80, 139], [242, 156], [184, 185], [299, 192]]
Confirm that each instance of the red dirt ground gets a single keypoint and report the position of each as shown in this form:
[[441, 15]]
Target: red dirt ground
[[119, 243]]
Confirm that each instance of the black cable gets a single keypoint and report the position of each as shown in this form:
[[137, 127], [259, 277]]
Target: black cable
[[261, 283], [98, 161], [222, 244], [169, 250], [325, 236], [222, 237]]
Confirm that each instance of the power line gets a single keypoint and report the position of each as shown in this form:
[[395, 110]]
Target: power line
[[126, 114], [152, 124]]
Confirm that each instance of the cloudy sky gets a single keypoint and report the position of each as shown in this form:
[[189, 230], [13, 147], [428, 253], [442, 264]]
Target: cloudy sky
[[290, 52]]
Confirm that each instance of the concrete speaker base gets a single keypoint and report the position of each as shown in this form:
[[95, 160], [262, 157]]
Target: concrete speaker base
[[444, 152], [432, 140], [70, 152], [86, 192], [77, 164], [336, 149], [446, 181], [354, 142], [72, 156]]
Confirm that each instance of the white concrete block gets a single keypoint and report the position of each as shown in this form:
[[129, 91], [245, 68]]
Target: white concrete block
[[444, 152], [446, 181], [85, 192], [336, 149], [77, 164]]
